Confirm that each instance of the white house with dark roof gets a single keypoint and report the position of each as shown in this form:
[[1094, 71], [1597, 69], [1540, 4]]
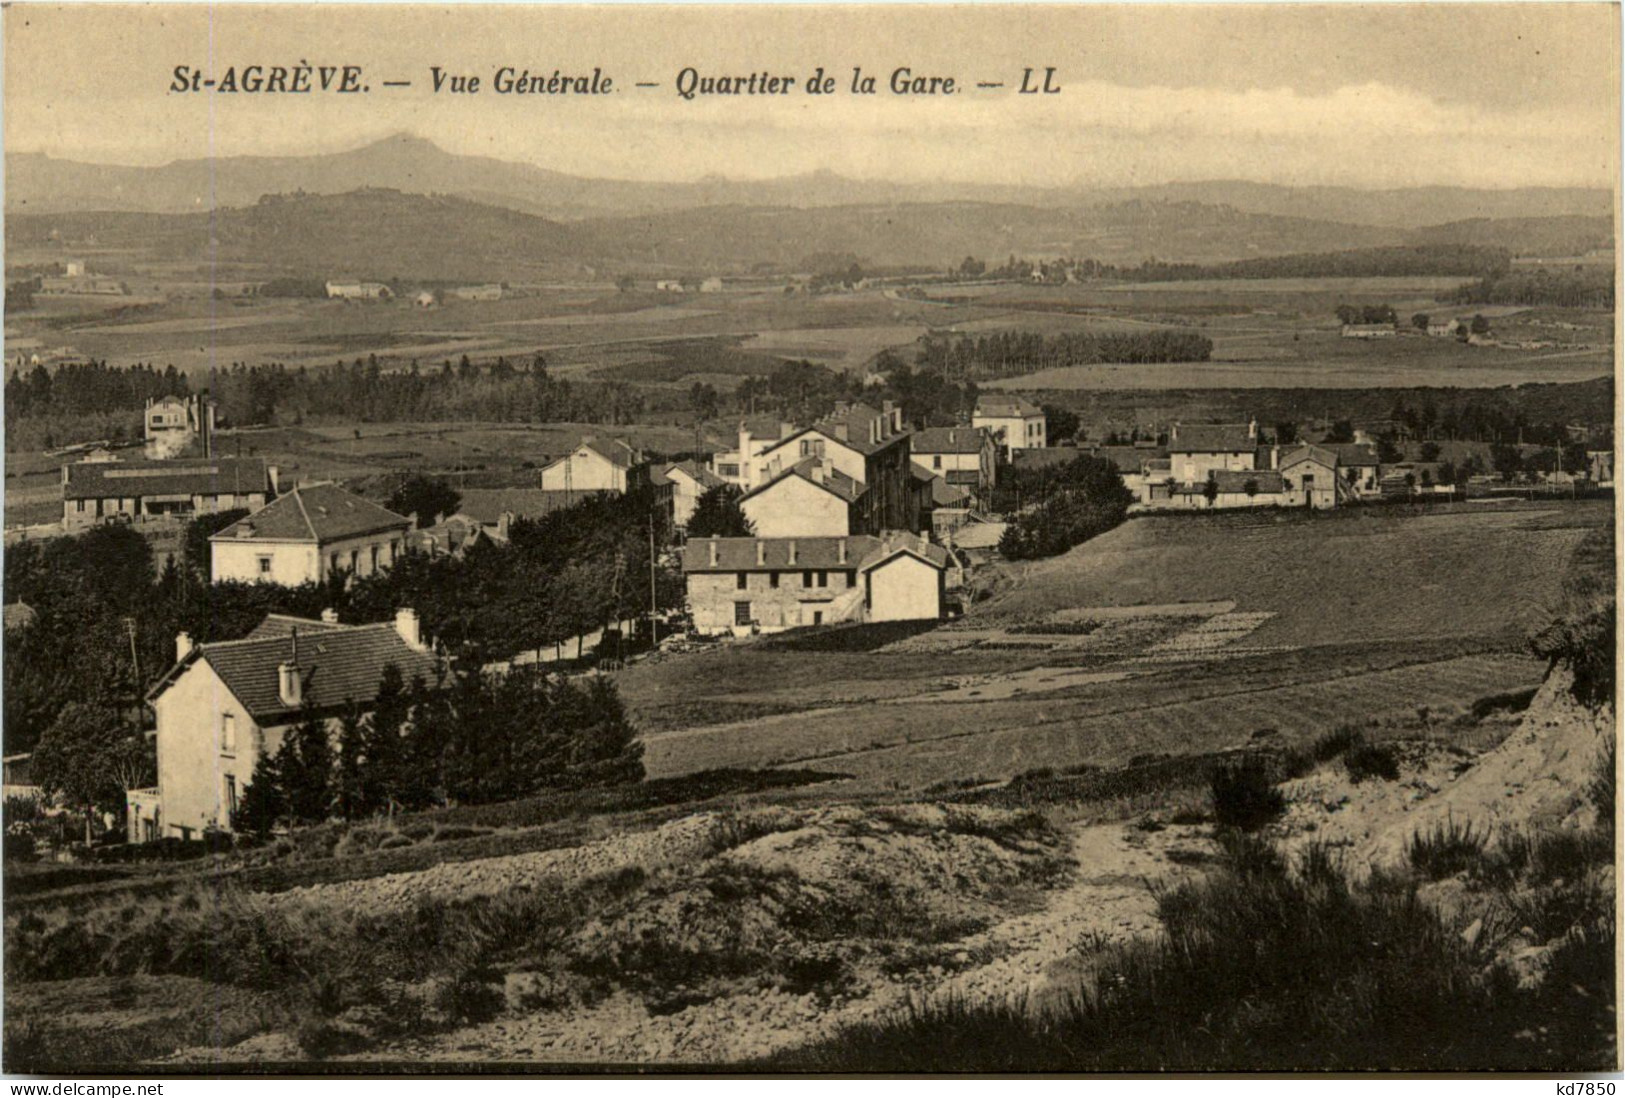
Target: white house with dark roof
[[224, 706], [809, 499], [1016, 424], [596, 465], [99, 491], [966, 457], [307, 534], [764, 585], [868, 447], [1196, 449], [689, 480]]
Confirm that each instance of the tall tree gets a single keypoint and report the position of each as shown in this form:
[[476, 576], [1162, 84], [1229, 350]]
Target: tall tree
[[717, 514]]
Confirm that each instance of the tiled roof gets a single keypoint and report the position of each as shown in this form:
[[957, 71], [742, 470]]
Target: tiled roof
[[949, 440], [179, 477], [486, 505], [739, 554], [979, 535], [1129, 459], [835, 482], [316, 512], [338, 666], [1045, 458], [944, 494], [1235, 480], [1352, 453], [856, 421], [696, 472], [1211, 438], [913, 544], [1309, 453], [283, 625], [1003, 407], [614, 451]]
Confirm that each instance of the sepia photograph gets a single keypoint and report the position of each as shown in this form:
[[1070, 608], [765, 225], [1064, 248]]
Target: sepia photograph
[[810, 539]]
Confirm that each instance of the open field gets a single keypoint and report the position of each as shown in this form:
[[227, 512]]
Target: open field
[[1206, 629], [1266, 332]]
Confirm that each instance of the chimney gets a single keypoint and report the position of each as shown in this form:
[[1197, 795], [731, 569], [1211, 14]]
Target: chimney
[[840, 430], [761, 553], [925, 544], [874, 430], [406, 624], [786, 429], [273, 476], [792, 550], [744, 444], [840, 551], [183, 646], [330, 616], [951, 434], [713, 550], [1252, 429], [504, 523]]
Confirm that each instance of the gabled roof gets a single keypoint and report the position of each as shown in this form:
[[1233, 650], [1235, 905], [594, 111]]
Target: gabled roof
[[1128, 459], [1310, 453], [614, 451], [912, 545], [318, 513], [283, 625], [696, 472], [486, 505], [833, 481], [1211, 438], [177, 477], [740, 554], [996, 406], [949, 440], [856, 422], [1267, 481], [1045, 458], [1352, 453], [338, 664]]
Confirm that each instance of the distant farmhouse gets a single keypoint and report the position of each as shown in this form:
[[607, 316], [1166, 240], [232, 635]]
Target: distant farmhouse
[[224, 706], [711, 285], [670, 285], [133, 491], [360, 291], [306, 535], [596, 465], [1369, 331]]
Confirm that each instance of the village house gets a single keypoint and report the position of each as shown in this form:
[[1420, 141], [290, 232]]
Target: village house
[[1600, 467], [689, 480], [1442, 329], [454, 535], [310, 533], [743, 465], [596, 465], [132, 491], [173, 424], [1357, 464], [1231, 488], [359, 291], [224, 706], [1196, 449], [857, 453], [966, 457], [1014, 423], [712, 285], [669, 285], [765, 585], [496, 509]]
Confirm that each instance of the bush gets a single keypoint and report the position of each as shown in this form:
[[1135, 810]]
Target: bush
[[1447, 849], [469, 996], [1244, 795], [1372, 761]]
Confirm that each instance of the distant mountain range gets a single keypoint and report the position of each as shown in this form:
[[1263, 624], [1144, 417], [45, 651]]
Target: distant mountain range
[[37, 183]]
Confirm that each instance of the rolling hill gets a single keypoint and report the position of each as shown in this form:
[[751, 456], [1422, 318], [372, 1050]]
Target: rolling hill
[[39, 183]]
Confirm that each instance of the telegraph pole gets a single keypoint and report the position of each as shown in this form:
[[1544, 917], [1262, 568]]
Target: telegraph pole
[[654, 622]]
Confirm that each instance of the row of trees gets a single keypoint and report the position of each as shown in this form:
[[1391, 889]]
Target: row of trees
[[473, 739], [1005, 354], [1583, 287]]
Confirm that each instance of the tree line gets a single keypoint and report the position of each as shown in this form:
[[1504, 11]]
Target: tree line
[[1583, 287], [1061, 506], [1005, 354], [474, 739]]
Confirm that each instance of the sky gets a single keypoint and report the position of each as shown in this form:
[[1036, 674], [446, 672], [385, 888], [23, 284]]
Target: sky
[[1365, 95]]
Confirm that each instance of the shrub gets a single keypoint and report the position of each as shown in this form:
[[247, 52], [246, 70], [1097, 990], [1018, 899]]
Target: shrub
[[1244, 796], [1338, 742], [1372, 761], [469, 996], [1445, 850]]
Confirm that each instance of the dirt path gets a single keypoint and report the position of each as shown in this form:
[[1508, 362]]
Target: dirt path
[[1024, 959]]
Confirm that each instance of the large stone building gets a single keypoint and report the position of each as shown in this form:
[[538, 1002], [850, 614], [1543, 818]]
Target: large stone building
[[864, 451], [311, 532], [135, 491], [1015, 423], [965, 457], [764, 585]]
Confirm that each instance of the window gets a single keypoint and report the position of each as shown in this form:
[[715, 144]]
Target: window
[[806, 579], [265, 566], [936, 461], [741, 580], [773, 579], [334, 562], [355, 559], [727, 469], [81, 506], [818, 617], [741, 613], [823, 579], [228, 732], [375, 559], [228, 790], [851, 577]]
